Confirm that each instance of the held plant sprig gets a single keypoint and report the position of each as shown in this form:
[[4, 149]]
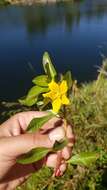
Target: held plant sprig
[[51, 92]]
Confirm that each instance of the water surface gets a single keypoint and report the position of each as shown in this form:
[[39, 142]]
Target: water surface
[[75, 35]]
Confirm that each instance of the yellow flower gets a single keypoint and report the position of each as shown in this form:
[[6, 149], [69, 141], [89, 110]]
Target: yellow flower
[[57, 94]]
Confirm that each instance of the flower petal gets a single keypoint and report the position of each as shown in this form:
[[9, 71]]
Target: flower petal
[[56, 104], [53, 86], [63, 87], [50, 95], [65, 100]]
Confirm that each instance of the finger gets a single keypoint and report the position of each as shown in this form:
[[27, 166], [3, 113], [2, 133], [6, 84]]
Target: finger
[[51, 160], [66, 152], [17, 124], [15, 146], [59, 160], [56, 161], [69, 132], [51, 124], [70, 136], [62, 169], [24, 118], [57, 134], [10, 128]]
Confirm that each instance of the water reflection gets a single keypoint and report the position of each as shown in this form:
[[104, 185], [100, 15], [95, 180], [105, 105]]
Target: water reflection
[[38, 19]]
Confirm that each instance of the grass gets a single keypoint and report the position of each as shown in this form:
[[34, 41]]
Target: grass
[[88, 114], [3, 2]]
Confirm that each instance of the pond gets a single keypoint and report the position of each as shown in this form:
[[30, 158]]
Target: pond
[[75, 35]]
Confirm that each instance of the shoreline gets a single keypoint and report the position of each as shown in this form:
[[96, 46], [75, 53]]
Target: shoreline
[[33, 2]]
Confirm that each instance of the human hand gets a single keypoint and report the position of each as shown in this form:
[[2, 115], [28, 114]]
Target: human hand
[[14, 141]]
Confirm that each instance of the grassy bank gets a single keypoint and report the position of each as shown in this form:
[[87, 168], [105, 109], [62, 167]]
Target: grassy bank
[[31, 2], [3, 2], [88, 114]]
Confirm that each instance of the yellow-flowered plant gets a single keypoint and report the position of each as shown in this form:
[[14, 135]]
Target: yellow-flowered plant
[[57, 94], [55, 89], [50, 92], [49, 88]]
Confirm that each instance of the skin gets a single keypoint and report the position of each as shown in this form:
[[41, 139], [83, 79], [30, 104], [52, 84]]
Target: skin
[[14, 141]]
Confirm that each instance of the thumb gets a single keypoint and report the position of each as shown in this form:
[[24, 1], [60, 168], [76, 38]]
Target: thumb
[[17, 145]]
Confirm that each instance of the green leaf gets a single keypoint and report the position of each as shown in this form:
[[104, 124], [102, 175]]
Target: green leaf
[[68, 78], [84, 159], [35, 91], [32, 95], [37, 123], [41, 80], [59, 145], [34, 155], [28, 101], [48, 66], [38, 153]]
